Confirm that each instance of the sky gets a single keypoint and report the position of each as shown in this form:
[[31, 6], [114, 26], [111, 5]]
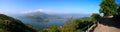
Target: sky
[[51, 6]]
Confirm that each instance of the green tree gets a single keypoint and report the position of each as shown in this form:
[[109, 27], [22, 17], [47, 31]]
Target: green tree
[[76, 25], [118, 9], [3, 30], [53, 28], [79, 30], [68, 26], [82, 25], [95, 17], [108, 7]]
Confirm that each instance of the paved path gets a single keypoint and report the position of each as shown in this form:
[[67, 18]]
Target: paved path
[[107, 25]]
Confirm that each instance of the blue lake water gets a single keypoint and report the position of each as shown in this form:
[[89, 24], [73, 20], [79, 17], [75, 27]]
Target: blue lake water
[[42, 24]]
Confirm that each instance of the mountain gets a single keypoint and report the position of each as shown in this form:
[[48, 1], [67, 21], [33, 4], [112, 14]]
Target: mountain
[[41, 19], [9, 24], [40, 16], [36, 15]]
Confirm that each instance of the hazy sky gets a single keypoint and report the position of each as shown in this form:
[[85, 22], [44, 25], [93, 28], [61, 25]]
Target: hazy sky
[[50, 6]]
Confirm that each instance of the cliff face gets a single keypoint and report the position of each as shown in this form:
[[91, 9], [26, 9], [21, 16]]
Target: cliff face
[[10, 24]]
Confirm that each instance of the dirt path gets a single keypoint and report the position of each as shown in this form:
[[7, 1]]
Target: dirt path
[[107, 25]]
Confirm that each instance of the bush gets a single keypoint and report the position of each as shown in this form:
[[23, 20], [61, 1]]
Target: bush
[[53, 28], [95, 17], [77, 25], [82, 24]]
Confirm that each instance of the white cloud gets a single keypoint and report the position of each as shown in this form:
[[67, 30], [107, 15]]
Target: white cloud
[[40, 10], [8, 12], [3, 11], [30, 11]]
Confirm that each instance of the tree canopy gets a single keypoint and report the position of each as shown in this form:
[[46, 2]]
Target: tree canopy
[[118, 9], [108, 7], [95, 17]]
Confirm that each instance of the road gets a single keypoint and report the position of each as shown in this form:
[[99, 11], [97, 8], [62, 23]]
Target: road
[[107, 25]]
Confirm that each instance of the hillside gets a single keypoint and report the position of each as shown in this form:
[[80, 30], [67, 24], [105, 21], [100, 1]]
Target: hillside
[[9, 24]]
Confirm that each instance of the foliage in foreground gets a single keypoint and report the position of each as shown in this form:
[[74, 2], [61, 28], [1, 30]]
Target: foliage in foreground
[[71, 25], [77, 25]]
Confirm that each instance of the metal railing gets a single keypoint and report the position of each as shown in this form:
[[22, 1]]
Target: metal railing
[[91, 28]]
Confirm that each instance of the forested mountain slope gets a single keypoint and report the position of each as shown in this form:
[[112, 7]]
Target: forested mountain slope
[[9, 24]]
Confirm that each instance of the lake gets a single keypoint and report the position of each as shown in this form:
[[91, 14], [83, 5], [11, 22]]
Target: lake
[[37, 23], [42, 24]]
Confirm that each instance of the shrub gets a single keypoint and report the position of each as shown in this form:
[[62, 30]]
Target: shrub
[[53, 28], [95, 17]]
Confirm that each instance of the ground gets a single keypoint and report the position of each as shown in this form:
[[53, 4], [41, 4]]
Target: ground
[[107, 25]]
